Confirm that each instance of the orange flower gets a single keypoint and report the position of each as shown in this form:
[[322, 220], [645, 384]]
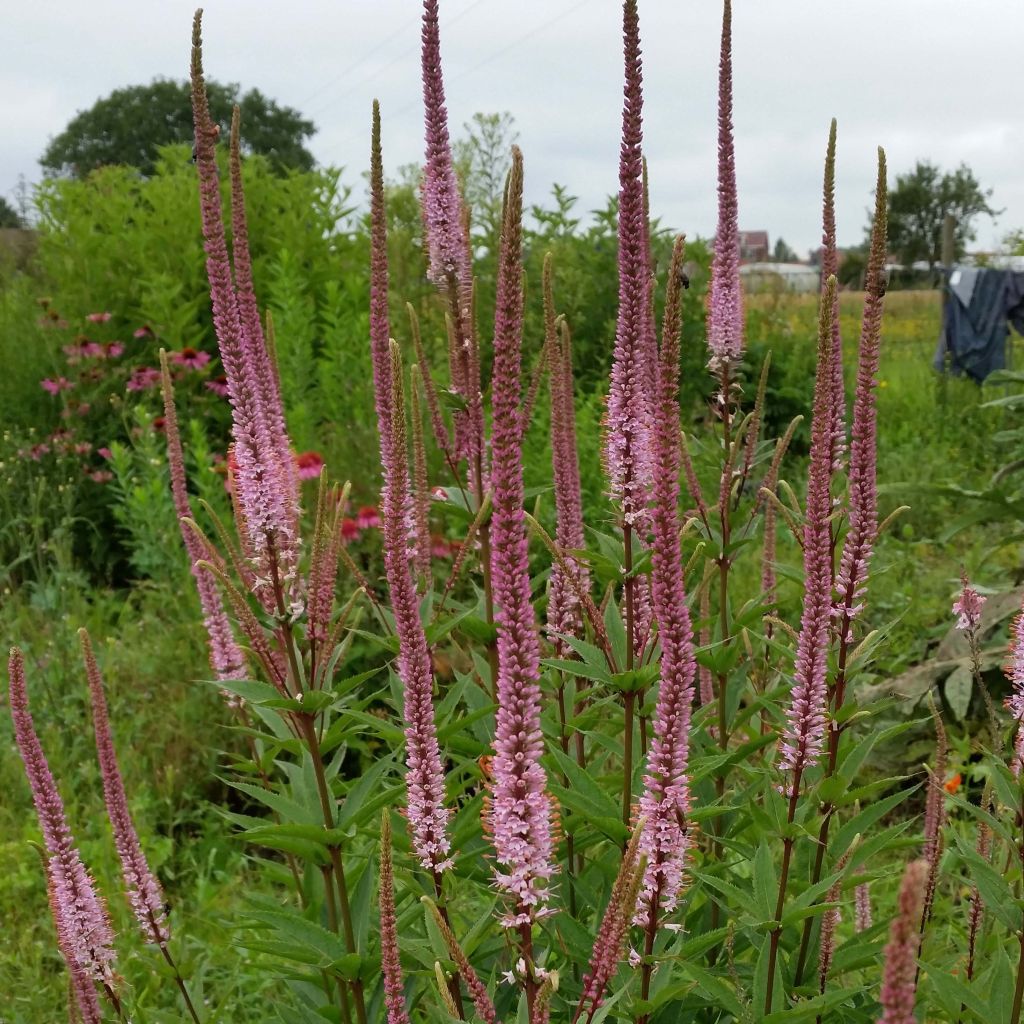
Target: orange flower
[[953, 784]]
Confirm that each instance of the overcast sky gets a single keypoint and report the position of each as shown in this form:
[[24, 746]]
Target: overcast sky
[[927, 79]]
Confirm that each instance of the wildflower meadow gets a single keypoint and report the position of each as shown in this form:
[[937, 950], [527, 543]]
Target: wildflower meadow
[[408, 630]]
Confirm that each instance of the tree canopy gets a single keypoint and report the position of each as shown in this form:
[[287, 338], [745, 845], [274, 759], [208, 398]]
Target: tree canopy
[[918, 204], [128, 127]]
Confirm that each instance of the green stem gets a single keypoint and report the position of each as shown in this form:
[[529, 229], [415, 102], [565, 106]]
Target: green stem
[[780, 905]]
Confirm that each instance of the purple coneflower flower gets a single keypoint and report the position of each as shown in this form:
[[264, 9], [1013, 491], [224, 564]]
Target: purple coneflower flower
[[309, 465], [98, 318], [55, 387], [219, 386], [145, 331], [194, 359], [143, 378]]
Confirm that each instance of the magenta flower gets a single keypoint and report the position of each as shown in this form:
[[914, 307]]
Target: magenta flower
[[349, 531], [519, 816], [426, 812], [112, 349], [725, 302], [144, 892], [79, 912], [104, 453], [665, 800], [55, 387], [194, 359], [368, 518], [219, 386], [968, 606], [805, 718], [309, 465], [143, 378], [145, 331], [899, 984], [98, 318], [101, 476], [851, 581], [93, 350], [627, 426]]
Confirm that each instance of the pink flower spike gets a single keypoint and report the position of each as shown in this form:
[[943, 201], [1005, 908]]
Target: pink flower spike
[[627, 426], [391, 965], [98, 318], [805, 718], [519, 816], [725, 302], [144, 892], [1015, 702], [899, 984], [79, 912], [55, 387], [665, 800], [968, 607]]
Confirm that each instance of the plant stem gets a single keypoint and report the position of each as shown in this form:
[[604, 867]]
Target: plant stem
[[1018, 993], [454, 988], [650, 933], [780, 906]]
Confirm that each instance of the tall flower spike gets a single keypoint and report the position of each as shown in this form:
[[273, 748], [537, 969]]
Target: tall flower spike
[[421, 486], [391, 966], [829, 923], [725, 302], [380, 330], [83, 1003], [830, 268], [264, 371], [564, 613], [519, 815], [627, 425], [428, 819], [263, 495], [144, 892], [1015, 701], [226, 659], [862, 907], [934, 814], [805, 718], [665, 799], [442, 204], [899, 984], [851, 581], [79, 913]]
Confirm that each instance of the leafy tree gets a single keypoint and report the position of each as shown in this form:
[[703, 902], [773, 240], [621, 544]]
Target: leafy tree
[[128, 126], [783, 253], [9, 216], [1014, 243], [918, 204]]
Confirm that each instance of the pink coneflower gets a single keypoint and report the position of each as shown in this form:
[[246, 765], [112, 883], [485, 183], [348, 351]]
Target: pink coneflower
[[143, 378], [101, 476], [439, 546], [219, 386], [159, 424], [93, 350], [368, 518], [145, 331], [349, 530], [194, 359], [112, 349], [74, 353], [55, 387], [309, 465], [104, 453], [98, 318]]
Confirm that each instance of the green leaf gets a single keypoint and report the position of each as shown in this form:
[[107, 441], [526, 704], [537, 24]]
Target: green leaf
[[997, 895], [289, 809], [959, 684]]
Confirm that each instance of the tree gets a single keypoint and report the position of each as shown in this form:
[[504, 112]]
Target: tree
[[783, 253], [918, 204], [128, 127], [9, 216]]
